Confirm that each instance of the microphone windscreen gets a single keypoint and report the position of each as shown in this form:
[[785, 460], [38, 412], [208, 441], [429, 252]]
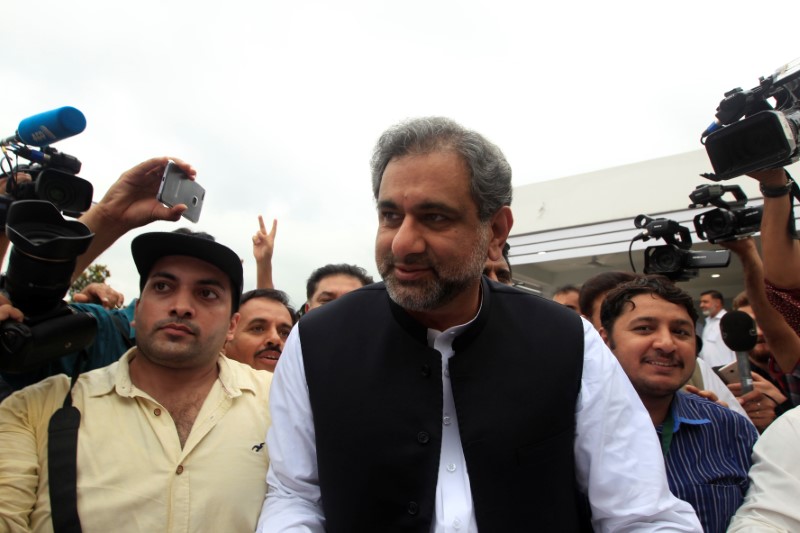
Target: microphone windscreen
[[738, 331], [51, 126]]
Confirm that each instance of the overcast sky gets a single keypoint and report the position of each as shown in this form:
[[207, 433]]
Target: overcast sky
[[278, 104]]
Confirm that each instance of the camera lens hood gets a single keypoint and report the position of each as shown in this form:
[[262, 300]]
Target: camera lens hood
[[37, 229]]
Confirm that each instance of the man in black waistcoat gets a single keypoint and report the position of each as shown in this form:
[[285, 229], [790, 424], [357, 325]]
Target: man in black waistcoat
[[439, 400]]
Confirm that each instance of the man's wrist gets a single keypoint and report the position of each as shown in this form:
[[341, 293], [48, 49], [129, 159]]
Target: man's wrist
[[777, 190]]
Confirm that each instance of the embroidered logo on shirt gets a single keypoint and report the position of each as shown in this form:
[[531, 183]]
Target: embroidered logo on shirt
[[257, 447]]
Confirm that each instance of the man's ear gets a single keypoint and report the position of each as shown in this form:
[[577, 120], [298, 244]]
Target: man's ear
[[135, 311], [232, 327], [306, 307], [604, 335], [500, 226]]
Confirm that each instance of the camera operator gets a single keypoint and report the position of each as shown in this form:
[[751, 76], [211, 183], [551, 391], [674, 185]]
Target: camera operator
[[783, 341], [781, 250], [128, 204]]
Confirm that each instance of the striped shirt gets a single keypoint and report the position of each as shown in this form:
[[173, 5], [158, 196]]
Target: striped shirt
[[708, 458]]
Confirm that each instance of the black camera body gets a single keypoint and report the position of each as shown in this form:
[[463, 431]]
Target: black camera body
[[726, 224], [767, 137], [675, 259], [28, 345], [730, 220], [53, 179], [679, 264], [44, 255]]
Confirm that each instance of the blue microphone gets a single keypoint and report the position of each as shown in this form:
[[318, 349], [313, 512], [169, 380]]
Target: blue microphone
[[51, 126]]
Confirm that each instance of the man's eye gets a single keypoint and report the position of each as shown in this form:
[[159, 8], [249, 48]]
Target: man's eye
[[390, 217], [160, 286], [209, 294], [257, 329], [285, 333]]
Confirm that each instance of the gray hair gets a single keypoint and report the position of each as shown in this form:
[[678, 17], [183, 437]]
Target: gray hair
[[490, 173]]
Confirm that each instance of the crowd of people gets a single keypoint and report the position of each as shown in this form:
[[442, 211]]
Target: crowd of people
[[440, 399]]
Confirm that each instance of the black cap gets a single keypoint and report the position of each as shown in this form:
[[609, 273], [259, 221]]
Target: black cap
[[150, 247]]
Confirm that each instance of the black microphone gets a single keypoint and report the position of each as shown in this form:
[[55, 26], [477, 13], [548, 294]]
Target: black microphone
[[739, 334]]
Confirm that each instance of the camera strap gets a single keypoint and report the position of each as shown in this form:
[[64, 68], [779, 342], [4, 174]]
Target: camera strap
[[794, 194], [62, 460]]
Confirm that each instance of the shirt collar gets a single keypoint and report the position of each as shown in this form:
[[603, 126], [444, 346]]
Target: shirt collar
[[118, 378], [455, 331], [680, 415]]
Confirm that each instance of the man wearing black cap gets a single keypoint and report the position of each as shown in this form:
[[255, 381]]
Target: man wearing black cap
[[170, 436]]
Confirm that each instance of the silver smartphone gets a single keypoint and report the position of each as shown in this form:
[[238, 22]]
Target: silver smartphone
[[176, 188], [729, 373]]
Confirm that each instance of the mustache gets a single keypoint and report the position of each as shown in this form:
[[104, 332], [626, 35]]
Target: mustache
[[409, 260], [178, 322], [270, 348]]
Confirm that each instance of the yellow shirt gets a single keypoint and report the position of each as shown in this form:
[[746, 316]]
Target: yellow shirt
[[133, 475]]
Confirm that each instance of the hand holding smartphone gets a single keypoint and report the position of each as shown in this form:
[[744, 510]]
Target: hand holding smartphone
[[176, 188], [729, 373]]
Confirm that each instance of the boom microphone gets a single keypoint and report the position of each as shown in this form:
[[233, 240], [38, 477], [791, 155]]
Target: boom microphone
[[51, 126], [739, 334]]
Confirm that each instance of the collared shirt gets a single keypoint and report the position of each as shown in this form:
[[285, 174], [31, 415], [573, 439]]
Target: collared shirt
[[617, 457], [771, 501], [714, 351], [133, 475], [708, 458], [454, 510]]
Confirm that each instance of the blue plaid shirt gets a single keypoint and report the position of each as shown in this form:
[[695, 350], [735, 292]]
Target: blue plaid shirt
[[708, 458]]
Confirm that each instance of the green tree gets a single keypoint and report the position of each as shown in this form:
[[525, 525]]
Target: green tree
[[96, 273]]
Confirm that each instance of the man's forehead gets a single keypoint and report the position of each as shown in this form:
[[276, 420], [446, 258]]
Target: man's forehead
[[259, 308], [651, 307], [184, 267], [336, 279]]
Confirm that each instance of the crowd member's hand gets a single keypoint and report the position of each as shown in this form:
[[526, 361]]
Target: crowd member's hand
[[101, 294], [8, 311], [263, 247], [760, 403], [740, 247], [263, 242], [707, 394], [19, 177], [131, 201]]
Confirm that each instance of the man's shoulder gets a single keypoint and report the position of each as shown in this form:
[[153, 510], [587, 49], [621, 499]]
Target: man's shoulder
[[693, 406], [244, 377], [37, 401]]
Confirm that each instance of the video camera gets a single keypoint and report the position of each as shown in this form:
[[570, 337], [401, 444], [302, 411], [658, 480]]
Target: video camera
[[675, 259], [730, 220], [53, 174], [767, 137], [46, 246]]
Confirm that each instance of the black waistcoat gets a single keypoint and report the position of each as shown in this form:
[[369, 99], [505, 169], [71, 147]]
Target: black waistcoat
[[376, 394]]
